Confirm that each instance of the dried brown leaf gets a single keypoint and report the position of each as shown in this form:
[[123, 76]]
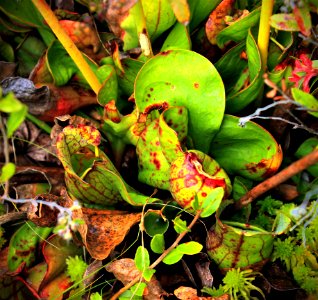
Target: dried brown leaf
[[104, 229]]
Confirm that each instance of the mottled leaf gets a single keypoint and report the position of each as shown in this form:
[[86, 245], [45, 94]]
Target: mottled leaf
[[216, 21], [104, 230], [82, 34], [286, 22], [23, 244], [183, 78], [196, 174], [56, 288], [249, 151], [238, 245], [159, 145], [90, 176]]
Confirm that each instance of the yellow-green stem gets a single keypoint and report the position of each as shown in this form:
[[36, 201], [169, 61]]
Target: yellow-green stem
[[68, 44], [264, 30]]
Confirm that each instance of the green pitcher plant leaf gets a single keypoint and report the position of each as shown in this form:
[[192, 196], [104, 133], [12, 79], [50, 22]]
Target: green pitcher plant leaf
[[23, 243], [183, 78], [239, 245], [178, 38], [109, 89], [200, 9], [251, 85], [89, 175], [239, 29], [249, 151], [196, 174], [159, 145]]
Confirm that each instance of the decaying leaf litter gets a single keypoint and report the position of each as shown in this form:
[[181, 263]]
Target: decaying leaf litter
[[158, 149]]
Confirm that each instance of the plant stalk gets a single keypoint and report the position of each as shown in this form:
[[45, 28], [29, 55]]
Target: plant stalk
[[264, 30], [68, 44], [160, 258]]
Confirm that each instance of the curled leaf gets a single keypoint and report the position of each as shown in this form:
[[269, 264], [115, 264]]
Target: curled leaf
[[186, 79], [89, 175]]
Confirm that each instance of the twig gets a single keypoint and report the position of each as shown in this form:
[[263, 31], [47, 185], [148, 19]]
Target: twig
[[293, 169], [5, 152], [68, 44], [159, 259]]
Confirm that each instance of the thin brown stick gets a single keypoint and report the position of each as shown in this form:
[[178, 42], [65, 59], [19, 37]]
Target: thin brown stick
[[159, 259], [293, 169]]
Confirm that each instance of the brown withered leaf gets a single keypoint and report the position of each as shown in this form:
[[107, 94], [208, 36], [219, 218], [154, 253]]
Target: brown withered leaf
[[188, 293], [125, 270], [82, 34], [7, 69], [116, 12], [216, 20], [104, 229]]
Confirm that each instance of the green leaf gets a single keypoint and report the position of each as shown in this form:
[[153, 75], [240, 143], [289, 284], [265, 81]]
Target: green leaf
[[173, 257], [239, 29], [7, 171], [200, 9], [138, 288], [307, 100], [241, 186], [183, 78], [15, 119], [305, 148], [142, 260], [157, 244], [212, 202], [178, 38], [148, 273], [179, 225], [155, 224], [238, 99], [109, 89], [248, 151], [10, 104], [22, 244], [6, 51], [189, 248]]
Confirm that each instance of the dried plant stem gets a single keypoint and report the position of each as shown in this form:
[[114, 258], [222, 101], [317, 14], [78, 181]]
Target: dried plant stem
[[68, 44], [264, 30], [159, 259], [6, 154], [293, 169]]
